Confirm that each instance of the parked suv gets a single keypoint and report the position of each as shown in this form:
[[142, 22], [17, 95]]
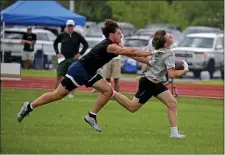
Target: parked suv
[[202, 51], [136, 42], [13, 36]]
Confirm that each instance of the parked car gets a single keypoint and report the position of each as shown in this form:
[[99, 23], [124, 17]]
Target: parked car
[[202, 51], [127, 29], [13, 36], [92, 41], [88, 25], [95, 31], [200, 29], [164, 26], [177, 35], [145, 32], [137, 42]]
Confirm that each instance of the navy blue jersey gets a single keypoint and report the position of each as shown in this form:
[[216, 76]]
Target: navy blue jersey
[[97, 57]]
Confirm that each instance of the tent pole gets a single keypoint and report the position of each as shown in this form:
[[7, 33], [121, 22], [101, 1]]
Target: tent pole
[[3, 37], [71, 5]]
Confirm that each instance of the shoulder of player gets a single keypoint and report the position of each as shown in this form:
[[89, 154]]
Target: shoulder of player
[[170, 51], [167, 52], [113, 46], [169, 55], [163, 54]]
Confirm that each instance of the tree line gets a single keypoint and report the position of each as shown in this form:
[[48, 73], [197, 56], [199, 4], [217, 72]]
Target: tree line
[[140, 13]]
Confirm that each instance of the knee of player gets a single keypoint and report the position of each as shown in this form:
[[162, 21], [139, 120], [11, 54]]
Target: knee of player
[[108, 92], [172, 104], [133, 109]]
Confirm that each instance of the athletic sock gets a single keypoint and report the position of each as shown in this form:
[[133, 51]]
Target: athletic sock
[[30, 107], [174, 130], [91, 114], [112, 97]]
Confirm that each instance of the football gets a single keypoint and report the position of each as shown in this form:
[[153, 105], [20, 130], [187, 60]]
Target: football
[[179, 65]]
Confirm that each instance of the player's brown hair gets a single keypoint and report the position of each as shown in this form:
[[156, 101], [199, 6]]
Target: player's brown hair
[[110, 26], [159, 39]]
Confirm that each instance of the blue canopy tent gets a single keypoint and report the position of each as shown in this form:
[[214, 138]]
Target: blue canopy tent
[[41, 13]]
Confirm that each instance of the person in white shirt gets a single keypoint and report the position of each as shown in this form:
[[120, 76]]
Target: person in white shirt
[[113, 70], [161, 62]]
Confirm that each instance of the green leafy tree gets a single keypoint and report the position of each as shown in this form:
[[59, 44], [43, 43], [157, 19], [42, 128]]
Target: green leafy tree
[[92, 10], [205, 13], [140, 12], [181, 13]]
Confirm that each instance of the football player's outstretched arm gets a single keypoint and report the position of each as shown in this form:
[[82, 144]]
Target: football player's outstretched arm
[[114, 48]]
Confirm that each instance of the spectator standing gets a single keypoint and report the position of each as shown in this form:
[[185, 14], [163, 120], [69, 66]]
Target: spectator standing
[[70, 44], [29, 40]]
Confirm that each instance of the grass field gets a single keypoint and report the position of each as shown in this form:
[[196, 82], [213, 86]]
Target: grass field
[[59, 127], [52, 74]]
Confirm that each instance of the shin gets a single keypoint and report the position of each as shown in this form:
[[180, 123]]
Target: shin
[[49, 97]]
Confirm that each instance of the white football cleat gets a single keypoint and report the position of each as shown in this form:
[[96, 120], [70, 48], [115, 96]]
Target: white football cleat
[[70, 95], [24, 111], [178, 136], [92, 122]]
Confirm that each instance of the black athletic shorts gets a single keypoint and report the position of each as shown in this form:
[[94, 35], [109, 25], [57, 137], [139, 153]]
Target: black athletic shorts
[[147, 89], [77, 76]]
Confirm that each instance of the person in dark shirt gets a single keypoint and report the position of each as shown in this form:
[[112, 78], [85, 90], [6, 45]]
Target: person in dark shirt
[[84, 72], [29, 39], [70, 44]]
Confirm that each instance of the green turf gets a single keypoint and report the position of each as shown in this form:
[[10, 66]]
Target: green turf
[[52, 74], [38, 73], [59, 127], [208, 82], [212, 82]]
